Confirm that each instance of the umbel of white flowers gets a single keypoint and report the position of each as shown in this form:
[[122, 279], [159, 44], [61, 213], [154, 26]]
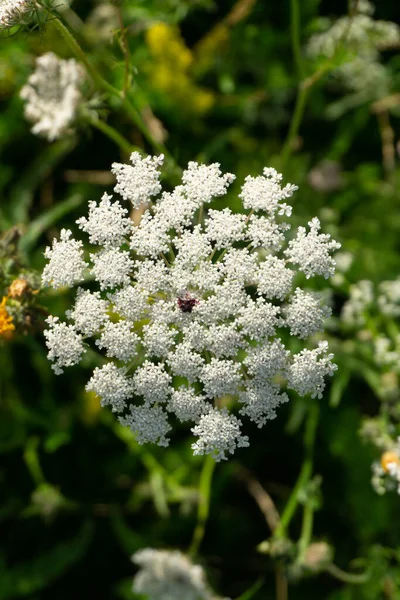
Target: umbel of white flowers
[[169, 575], [53, 95], [192, 303]]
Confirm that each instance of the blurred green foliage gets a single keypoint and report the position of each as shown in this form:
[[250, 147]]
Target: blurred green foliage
[[213, 81]]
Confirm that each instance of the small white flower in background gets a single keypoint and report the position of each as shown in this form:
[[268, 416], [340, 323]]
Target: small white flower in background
[[191, 304], [12, 11], [169, 575], [363, 37], [53, 95], [389, 298], [360, 299]]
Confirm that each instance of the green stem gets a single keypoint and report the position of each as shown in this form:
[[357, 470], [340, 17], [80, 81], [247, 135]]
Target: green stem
[[304, 90], [32, 460], [114, 135], [306, 529], [305, 473], [204, 503], [295, 36], [257, 585], [295, 122], [356, 578], [106, 87]]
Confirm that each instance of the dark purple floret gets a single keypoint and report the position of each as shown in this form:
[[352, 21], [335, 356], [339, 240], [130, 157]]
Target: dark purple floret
[[187, 303]]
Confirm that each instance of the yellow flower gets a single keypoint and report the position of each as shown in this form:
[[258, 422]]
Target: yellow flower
[[388, 458], [6, 324], [169, 69], [166, 44]]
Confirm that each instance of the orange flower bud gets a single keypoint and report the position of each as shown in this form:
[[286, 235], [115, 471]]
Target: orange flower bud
[[387, 458], [17, 288]]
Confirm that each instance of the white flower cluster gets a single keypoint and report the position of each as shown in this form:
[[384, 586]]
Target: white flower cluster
[[363, 37], [169, 575], [192, 303], [11, 12], [361, 296], [389, 298], [53, 95]]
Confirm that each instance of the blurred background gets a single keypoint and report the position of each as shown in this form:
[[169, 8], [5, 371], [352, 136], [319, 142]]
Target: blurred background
[[214, 81]]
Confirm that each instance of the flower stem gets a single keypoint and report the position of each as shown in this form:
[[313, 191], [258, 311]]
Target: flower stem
[[305, 473], [295, 122], [295, 36], [204, 503], [257, 585], [306, 529], [356, 578], [106, 87], [281, 584], [114, 135]]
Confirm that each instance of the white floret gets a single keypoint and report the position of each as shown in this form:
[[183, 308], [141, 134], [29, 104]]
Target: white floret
[[265, 232], [311, 251], [158, 338], [149, 424], [219, 433], [220, 377], [266, 193], [305, 314], [261, 399], [130, 302], [89, 312], [150, 237], [119, 341], [187, 405], [112, 385], [111, 267], [202, 183], [152, 382], [64, 343], [107, 224], [141, 180], [309, 368], [266, 361], [224, 340], [259, 319], [66, 264], [274, 279], [184, 362], [223, 227], [193, 247], [151, 276], [240, 265]]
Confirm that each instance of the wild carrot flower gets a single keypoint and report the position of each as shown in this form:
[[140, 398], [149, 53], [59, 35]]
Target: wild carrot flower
[[11, 12], [53, 95], [192, 303], [168, 575]]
